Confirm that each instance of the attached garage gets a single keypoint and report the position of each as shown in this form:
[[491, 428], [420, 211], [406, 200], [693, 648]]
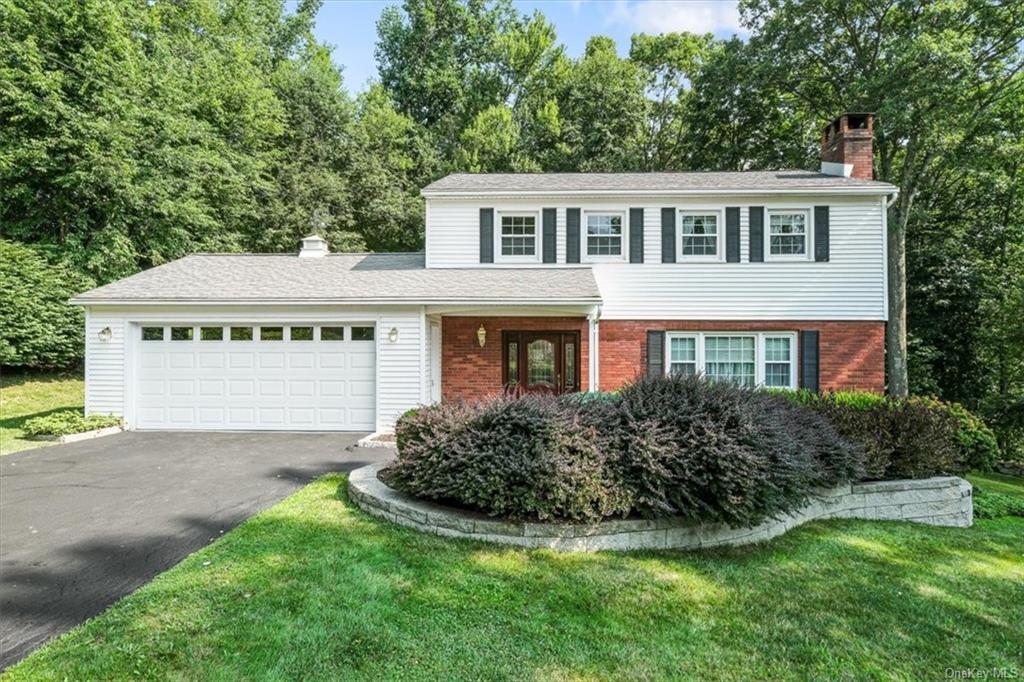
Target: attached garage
[[269, 376], [312, 341]]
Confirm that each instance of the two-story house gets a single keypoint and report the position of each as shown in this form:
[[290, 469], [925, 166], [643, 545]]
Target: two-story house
[[530, 282]]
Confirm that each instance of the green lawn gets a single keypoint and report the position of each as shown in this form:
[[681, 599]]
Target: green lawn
[[23, 396], [998, 483], [315, 589]]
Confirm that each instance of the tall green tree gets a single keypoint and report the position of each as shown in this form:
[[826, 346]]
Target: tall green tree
[[932, 72], [668, 64]]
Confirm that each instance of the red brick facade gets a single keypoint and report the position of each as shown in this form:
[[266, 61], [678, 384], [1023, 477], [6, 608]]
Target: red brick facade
[[851, 354], [470, 372]]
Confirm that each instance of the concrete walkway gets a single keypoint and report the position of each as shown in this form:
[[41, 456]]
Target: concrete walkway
[[83, 524]]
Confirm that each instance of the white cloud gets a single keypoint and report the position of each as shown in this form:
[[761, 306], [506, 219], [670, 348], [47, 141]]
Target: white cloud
[[666, 16]]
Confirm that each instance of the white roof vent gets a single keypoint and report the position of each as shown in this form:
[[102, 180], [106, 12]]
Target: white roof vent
[[314, 246]]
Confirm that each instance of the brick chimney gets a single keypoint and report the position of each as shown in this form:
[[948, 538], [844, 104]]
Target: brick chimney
[[846, 146]]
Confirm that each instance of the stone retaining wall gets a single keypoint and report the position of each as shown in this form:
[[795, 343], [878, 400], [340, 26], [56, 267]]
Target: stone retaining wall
[[944, 501]]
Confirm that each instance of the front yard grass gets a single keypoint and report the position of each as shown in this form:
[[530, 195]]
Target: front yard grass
[[315, 589], [998, 483], [23, 396]]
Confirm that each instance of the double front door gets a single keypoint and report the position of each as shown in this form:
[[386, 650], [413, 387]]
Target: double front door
[[541, 362]]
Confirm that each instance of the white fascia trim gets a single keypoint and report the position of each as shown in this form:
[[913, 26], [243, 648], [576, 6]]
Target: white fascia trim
[[884, 188], [336, 301]]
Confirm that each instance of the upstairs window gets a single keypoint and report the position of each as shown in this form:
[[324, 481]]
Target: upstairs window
[[787, 234], [519, 236], [699, 235], [604, 236]]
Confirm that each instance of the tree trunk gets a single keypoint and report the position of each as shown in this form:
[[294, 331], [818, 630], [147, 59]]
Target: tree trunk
[[896, 330]]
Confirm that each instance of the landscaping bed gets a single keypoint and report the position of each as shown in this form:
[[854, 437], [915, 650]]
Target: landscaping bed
[[676, 447], [937, 501]]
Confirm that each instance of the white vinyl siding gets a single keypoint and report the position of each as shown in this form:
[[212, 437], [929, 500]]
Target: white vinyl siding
[[851, 286], [105, 374]]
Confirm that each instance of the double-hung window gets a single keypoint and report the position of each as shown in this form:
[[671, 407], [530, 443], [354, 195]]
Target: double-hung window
[[603, 239], [699, 235], [747, 359], [788, 234], [518, 237]]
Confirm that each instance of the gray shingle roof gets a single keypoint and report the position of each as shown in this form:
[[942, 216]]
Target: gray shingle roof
[[343, 277], [745, 181]]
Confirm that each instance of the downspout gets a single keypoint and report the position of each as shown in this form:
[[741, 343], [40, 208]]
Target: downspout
[[593, 366]]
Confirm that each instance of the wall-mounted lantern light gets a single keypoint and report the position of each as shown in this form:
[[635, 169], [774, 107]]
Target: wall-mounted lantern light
[[105, 334], [481, 335], [393, 335]]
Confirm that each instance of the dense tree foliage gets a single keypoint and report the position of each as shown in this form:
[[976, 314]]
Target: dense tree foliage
[[37, 327], [132, 133]]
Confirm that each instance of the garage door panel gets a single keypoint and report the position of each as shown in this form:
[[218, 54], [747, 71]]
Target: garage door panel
[[211, 416], [361, 360], [182, 416], [253, 384], [181, 360], [301, 416], [302, 389], [271, 416], [241, 387], [152, 360], [331, 417], [152, 387], [179, 387], [360, 388], [211, 360], [272, 360], [332, 389], [361, 418], [332, 360], [271, 387], [241, 360], [211, 387], [301, 360], [241, 416]]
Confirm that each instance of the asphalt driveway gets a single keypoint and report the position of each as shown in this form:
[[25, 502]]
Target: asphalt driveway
[[83, 524]]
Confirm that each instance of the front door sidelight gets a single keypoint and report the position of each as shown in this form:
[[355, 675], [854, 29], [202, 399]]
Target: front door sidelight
[[541, 362]]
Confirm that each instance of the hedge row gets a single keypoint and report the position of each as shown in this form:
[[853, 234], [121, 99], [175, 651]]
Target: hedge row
[[677, 446], [911, 438], [673, 446]]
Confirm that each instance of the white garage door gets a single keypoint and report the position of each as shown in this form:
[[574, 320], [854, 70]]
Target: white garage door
[[271, 377]]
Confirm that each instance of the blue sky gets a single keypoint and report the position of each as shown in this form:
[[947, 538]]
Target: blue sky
[[350, 25]]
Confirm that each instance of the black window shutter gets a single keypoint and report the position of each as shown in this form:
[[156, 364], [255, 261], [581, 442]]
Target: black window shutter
[[757, 234], [548, 235], [486, 235], [668, 235], [636, 235], [572, 235], [821, 234], [655, 354], [809, 359], [732, 234]]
